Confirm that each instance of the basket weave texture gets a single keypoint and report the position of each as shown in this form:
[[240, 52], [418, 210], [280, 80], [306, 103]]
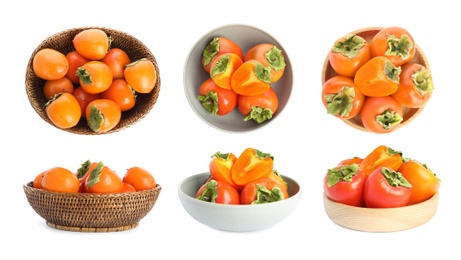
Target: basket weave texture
[[88, 212], [62, 42]]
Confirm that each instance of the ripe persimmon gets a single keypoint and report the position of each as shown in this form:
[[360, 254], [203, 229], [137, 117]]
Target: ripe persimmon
[[139, 178], [37, 183], [60, 179], [128, 188], [103, 179], [103, 115]]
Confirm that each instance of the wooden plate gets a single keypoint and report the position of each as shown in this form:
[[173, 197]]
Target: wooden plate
[[408, 113], [381, 220]]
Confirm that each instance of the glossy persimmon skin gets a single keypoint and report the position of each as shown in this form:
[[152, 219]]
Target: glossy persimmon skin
[[50, 64], [216, 47], [140, 178], [404, 53], [348, 54], [269, 56], [60, 179], [103, 115], [92, 43], [63, 110]]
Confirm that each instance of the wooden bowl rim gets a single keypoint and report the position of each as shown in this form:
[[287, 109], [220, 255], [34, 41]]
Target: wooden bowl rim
[[381, 219]]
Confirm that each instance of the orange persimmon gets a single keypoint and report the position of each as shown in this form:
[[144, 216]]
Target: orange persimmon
[[251, 165], [223, 67], [251, 78], [381, 156], [269, 56], [378, 77]]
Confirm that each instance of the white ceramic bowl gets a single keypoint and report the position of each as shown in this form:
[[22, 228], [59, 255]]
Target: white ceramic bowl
[[236, 218], [194, 75]]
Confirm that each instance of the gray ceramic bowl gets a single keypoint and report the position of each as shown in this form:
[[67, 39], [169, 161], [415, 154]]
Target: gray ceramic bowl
[[236, 218], [194, 75]]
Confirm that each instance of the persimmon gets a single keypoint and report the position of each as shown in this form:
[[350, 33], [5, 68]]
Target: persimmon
[[92, 43], [37, 183], [394, 43], [270, 56], [76, 60], [139, 178], [50, 64], [378, 77], [217, 46], [141, 75], [103, 115], [223, 67], [121, 93], [128, 188], [56, 86], [103, 179], [116, 59], [60, 179], [95, 76], [251, 78], [416, 86], [348, 54], [63, 110]]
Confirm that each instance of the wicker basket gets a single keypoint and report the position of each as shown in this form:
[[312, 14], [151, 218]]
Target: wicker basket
[[62, 42], [87, 212]]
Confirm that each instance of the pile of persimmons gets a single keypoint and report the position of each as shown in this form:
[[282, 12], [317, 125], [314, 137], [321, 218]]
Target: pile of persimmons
[[384, 178], [376, 80], [94, 81], [94, 177], [249, 178], [241, 80]]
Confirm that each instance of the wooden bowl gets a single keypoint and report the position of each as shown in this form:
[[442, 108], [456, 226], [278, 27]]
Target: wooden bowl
[[91, 212], [62, 41], [381, 219], [408, 113]]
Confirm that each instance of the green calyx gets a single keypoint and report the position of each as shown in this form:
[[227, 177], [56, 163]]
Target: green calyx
[[262, 155], [275, 58], [223, 156], [84, 75], [391, 151], [210, 51], [423, 81], [399, 46], [95, 119], [259, 114], [395, 179], [94, 175], [392, 72], [220, 65], [264, 195], [350, 47], [83, 168], [389, 119], [340, 103], [210, 102], [263, 73], [344, 173], [210, 193]]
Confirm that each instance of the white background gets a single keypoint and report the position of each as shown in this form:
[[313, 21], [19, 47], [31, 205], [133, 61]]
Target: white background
[[173, 143]]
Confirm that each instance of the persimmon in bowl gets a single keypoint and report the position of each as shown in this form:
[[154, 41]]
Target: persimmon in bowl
[[236, 218], [382, 192], [63, 42], [94, 199], [229, 117], [399, 96]]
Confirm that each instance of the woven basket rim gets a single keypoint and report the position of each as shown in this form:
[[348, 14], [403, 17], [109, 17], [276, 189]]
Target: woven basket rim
[[29, 186], [144, 104]]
